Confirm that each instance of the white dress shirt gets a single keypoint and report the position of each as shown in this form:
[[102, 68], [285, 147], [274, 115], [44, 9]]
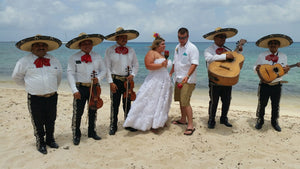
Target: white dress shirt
[[282, 59], [117, 63], [79, 71], [184, 57], [38, 81]]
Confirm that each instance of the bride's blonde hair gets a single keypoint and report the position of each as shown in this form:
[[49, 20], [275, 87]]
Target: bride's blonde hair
[[156, 41]]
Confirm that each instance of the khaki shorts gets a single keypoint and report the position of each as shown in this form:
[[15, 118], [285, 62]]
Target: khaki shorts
[[184, 94]]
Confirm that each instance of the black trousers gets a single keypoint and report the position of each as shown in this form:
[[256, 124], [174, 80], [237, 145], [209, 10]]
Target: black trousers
[[78, 109], [43, 115], [265, 92], [216, 92], [115, 103]]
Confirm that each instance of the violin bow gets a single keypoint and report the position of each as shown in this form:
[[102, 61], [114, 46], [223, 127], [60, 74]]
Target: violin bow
[[128, 71], [91, 89]]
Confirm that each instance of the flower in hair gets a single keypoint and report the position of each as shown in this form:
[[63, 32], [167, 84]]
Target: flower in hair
[[156, 35]]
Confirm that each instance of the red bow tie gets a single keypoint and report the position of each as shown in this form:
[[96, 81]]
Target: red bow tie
[[219, 51], [272, 57], [39, 62], [86, 58], [121, 50]]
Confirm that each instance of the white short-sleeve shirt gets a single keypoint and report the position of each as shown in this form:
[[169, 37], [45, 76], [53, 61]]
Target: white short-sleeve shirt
[[184, 57]]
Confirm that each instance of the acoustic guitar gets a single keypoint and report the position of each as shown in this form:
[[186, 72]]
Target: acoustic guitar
[[226, 72], [268, 73]]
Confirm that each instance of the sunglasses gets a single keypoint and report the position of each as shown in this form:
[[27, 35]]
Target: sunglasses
[[182, 38]]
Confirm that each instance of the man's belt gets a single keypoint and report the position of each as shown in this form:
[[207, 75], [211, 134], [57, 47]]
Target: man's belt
[[118, 77], [47, 95], [275, 83], [83, 84]]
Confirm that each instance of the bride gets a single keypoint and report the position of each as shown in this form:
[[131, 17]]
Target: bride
[[152, 104]]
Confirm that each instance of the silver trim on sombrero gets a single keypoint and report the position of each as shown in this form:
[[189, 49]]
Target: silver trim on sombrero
[[211, 35], [40, 38], [134, 34], [85, 37], [283, 39]]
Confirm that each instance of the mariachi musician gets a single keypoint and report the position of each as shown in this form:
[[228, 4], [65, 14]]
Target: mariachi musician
[[271, 89], [40, 73], [122, 65], [81, 66], [216, 53]]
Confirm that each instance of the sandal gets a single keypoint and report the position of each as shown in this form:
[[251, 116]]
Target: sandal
[[178, 122], [155, 131], [189, 130]]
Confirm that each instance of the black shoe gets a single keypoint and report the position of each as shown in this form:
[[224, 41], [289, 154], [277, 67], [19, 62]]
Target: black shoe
[[131, 129], [211, 124], [76, 141], [52, 144], [94, 136], [259, 124], [225, 122], [42, 149], [276, 126], [112, 131]]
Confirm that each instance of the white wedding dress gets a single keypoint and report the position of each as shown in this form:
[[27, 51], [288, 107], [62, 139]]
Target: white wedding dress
[[153, 101]]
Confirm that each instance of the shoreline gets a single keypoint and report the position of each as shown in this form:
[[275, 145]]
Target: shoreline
[[289, 104]]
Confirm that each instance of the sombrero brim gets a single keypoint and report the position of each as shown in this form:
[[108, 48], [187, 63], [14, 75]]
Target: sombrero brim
[[26, 44], [131, 34], [95, 38], [283, 39], [230, 32]]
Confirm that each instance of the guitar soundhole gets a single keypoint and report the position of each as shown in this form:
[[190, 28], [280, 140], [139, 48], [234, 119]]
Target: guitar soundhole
[[275, 69], [230, 60]]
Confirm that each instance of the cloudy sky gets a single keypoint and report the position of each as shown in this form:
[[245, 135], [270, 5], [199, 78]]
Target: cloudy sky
[[65, 19]]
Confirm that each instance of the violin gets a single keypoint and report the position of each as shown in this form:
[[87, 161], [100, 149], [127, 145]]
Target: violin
[[129, 85], [95, 102]]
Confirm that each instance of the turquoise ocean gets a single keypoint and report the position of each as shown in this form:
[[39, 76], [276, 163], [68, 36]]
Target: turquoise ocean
[[248, 81]]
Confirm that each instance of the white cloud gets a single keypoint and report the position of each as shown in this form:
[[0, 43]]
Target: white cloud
[[79, 21], [125, 8], [147, 16], [273, 13], [94, 5], [7, 15]]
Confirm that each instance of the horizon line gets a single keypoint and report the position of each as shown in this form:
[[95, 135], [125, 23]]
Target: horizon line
[[138, 42]]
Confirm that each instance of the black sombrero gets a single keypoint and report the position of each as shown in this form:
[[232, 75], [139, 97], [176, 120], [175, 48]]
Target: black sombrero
[[26, 44], [95, 38], [229, 32], [131, 34], [283, 39]]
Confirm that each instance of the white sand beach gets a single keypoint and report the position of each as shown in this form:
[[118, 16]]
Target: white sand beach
[[241, 146]]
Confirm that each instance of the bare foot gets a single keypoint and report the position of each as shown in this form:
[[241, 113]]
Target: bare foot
[[189, 131], [179, 122]]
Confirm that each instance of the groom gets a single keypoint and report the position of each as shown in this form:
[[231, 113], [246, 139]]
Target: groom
[[186, 60]]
